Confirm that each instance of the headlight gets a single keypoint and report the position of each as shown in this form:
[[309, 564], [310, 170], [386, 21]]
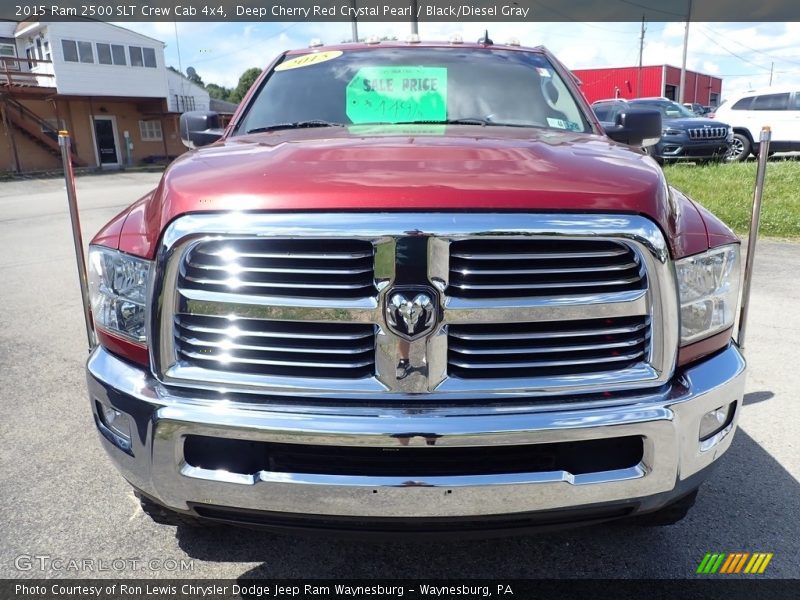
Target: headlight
[[708, 285], [670, 131], [118, 291]]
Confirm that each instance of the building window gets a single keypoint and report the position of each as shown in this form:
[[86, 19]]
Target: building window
[[118, 54], [7, 52], [149, 57], [184, 103], [47, 55], [136, 56], [150, 131], [104, 54], [69, 47], [85, 52]]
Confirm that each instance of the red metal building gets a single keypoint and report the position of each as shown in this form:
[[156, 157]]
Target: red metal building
[[656, 80]]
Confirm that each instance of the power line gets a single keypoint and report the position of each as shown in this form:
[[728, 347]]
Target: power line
[[666, 12], [731, 52], [770, 56]]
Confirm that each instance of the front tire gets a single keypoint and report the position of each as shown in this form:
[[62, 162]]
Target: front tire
[[740, 148]]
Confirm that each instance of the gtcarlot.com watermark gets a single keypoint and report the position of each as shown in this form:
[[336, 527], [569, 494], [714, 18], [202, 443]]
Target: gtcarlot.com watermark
[[45, 562]]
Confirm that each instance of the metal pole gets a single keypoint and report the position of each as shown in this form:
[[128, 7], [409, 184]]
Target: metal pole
[[414, 26], [77, 239], [755, 219], [354, 23], [685, 50], [641, 53]]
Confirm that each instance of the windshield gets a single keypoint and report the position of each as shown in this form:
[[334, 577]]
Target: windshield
[[606, 112], [414, 85], [669, 109]]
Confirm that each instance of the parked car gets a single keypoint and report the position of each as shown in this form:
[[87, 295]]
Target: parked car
[[415, 288], [748, 112], [697, 108], [685, 136]]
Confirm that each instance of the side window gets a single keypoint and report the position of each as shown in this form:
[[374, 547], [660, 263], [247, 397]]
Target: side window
[[771, 102], [70, 49], [796, 105], [743, 104]]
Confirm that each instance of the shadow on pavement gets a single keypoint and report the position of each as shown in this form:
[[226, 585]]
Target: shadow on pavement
[[750, 503], [756, 397]]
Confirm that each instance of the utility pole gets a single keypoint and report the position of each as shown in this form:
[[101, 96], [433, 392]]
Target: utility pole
[[641, 52], [414, 27], [685, 49], [354, 23], [771, 69]]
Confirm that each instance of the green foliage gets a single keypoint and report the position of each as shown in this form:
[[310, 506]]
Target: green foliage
[[246, 81], [727, 191]]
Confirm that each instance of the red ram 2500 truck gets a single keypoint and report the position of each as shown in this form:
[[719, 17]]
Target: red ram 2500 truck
[[415, 287]]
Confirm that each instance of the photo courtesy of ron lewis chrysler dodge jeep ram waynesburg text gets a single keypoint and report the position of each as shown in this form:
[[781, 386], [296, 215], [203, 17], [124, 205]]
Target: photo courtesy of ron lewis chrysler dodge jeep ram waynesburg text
[[415, 287]]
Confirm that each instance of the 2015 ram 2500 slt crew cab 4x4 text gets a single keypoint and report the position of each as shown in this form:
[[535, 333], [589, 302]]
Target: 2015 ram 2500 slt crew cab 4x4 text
[[415, 287]]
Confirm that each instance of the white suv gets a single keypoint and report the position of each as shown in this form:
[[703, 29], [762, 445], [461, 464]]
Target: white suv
[[748, 112]]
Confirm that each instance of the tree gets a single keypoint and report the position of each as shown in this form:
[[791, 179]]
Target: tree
[[218, 91], [246, 81]]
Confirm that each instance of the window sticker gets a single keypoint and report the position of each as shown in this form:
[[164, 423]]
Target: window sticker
[[397, 94], [562, 124], [306, 60]]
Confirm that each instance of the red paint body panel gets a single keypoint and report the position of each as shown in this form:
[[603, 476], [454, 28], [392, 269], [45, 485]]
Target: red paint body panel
[[470, 168]]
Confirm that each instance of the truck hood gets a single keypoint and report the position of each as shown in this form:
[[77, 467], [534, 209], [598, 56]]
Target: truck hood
[[390, 168]]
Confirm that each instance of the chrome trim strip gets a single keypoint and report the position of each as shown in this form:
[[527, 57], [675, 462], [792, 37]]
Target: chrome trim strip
[[428, 379]]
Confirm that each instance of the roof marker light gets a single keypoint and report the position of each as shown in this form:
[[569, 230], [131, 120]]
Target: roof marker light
[[373, 39], [412, 38], [512, 42], [315, 43], [456, 38]]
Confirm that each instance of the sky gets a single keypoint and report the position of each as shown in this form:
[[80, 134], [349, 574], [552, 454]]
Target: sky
[[741, 53]]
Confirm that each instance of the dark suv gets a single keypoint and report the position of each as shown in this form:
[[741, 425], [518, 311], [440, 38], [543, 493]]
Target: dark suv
[[685, 136]]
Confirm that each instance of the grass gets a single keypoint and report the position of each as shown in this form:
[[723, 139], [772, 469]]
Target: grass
[[727, 191]]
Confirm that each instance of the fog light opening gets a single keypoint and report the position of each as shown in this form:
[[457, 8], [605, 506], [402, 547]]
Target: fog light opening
[[715, 421], [116, 422]]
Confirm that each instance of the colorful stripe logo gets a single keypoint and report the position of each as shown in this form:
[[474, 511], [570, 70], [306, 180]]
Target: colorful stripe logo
[[734, 562]]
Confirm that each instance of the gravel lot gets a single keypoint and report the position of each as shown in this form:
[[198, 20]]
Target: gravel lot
[[60, 496]]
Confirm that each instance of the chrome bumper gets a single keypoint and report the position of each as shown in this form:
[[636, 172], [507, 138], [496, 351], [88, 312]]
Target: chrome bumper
[[160, 420]]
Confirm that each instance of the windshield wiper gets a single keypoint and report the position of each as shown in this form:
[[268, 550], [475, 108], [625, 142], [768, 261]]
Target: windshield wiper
[[294, 125]]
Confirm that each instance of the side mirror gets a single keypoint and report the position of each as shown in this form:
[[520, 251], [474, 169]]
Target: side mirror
[[636, 127], [200, 128]]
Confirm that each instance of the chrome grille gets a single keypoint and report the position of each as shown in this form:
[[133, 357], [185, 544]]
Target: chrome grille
[[276, 267], [547, 348], [708, 133], [529, 306], [482, 268], [283, 348]]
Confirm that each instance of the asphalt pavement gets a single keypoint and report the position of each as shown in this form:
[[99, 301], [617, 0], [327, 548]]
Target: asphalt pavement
[[60, 497]]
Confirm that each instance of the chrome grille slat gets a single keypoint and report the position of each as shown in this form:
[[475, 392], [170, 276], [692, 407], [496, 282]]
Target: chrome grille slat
[[290, 255], [543, 363], [474, 271], [590, 346], [491, 268], [276, 334], [547, 335], [568, 348], [276, 285], [301, 267], [193, 341], [543, 286], [279, 363], [539, 256], [309, 271]]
